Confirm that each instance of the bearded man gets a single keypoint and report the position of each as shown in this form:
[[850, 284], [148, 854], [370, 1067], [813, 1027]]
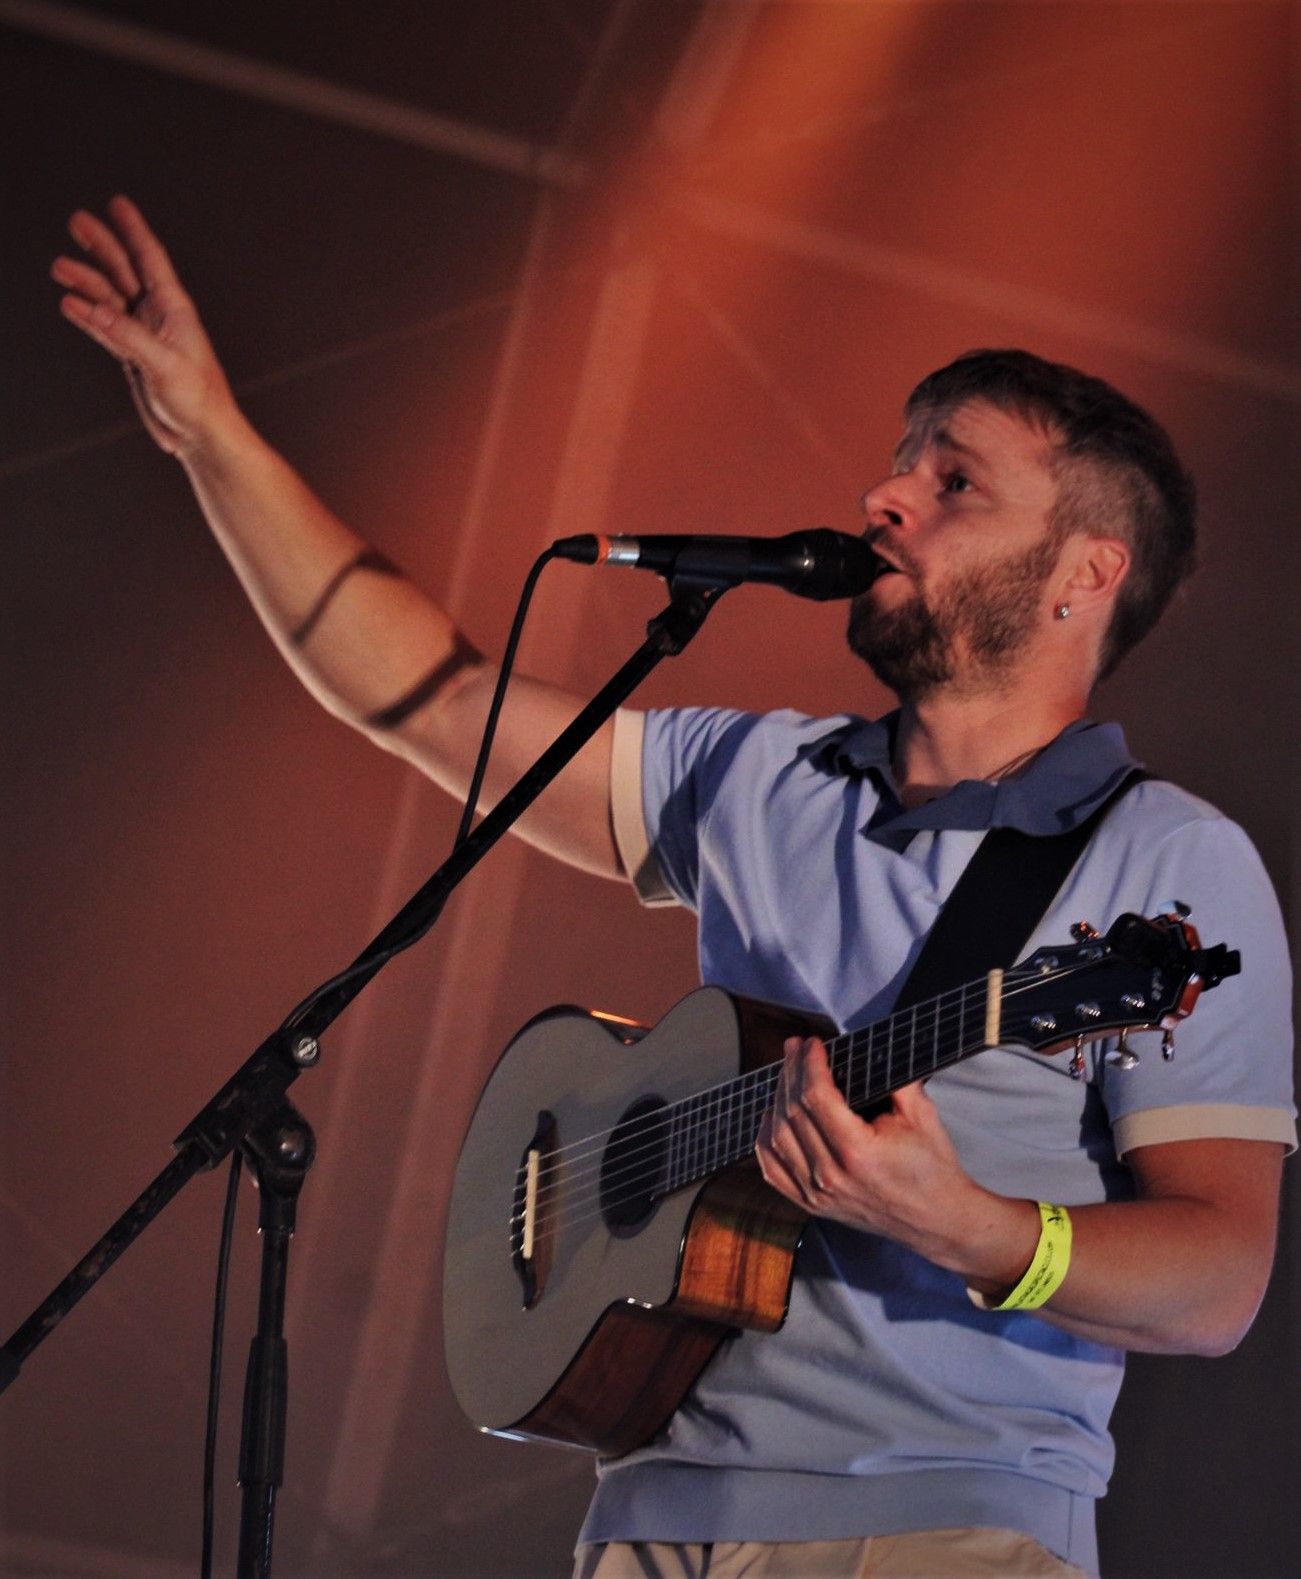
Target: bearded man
[[916, 1414]]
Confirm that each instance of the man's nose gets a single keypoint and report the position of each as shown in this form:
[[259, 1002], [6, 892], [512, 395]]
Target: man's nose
[[887, 504]]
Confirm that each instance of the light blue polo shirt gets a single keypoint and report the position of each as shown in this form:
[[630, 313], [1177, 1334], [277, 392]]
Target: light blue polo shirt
[[888, 1402]]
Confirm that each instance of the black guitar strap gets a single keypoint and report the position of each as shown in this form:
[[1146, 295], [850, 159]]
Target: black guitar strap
[[998, 902]]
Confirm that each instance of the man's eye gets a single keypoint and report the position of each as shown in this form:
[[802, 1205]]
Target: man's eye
[[955, 482]]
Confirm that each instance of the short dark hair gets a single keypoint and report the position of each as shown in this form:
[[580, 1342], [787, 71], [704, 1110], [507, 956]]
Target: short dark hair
[[1117, 471]]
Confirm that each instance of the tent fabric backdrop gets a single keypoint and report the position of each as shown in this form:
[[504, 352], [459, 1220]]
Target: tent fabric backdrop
[[490, 277]]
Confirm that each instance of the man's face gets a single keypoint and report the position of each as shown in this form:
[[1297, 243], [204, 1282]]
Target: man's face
[[963, 522]]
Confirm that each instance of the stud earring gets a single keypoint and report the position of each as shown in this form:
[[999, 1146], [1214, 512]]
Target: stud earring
[[1062, 611]]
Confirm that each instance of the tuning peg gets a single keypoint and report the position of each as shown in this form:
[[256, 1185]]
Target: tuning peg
[[1122, 1055], [1167, 1045], [1174, 907], [1084, 931], [1077, 1060]]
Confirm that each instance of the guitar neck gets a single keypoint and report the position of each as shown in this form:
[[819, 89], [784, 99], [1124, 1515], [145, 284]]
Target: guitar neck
[[717, 1128]]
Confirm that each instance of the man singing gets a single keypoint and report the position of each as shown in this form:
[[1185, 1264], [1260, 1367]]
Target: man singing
[[936, 1403]]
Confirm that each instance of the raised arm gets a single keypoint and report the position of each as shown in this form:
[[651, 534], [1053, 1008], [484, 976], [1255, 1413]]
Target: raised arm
[[368, 644]]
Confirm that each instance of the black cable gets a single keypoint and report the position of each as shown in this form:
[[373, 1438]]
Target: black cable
[[499, 695], [214, 1360], [368, 964]]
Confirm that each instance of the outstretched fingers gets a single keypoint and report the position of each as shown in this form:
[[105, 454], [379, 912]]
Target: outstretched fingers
[[104, 247], [148, 256], [125, 258], [92, 285]]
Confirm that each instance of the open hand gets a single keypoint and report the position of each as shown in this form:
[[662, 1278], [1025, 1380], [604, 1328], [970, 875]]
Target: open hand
[[125, 295]]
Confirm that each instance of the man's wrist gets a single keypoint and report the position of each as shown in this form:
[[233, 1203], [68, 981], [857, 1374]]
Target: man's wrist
[[222, 440], [993, 1242], [1048, 1267]]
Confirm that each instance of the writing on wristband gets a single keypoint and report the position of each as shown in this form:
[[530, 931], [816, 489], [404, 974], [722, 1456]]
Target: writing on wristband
[[1047, 1267]]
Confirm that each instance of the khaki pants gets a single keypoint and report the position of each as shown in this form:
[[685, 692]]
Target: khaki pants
[[925, 1554]]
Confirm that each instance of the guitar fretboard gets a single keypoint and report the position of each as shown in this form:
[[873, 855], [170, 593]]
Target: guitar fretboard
[[716, 1128]]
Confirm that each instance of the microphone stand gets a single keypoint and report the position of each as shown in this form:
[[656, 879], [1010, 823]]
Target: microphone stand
[[252, 1112]]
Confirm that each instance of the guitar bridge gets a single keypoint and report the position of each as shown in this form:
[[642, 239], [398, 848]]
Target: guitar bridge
[[535, 1186]]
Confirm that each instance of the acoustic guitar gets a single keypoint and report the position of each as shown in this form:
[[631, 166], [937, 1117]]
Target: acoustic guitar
[[608, 1225]]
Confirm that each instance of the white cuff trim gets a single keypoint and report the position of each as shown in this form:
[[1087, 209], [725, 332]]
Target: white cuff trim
[[639, 863], [1218, 1121]]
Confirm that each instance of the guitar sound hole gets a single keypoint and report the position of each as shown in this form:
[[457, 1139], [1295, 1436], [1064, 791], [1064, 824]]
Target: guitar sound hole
[[633, 1168]]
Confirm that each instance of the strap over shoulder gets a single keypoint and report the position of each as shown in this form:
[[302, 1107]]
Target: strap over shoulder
[[999, 900]]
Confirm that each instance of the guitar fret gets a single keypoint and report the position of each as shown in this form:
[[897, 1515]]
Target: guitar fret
[[675, 1140], [889, 1052], [711, 1130], [737, 1148], [742, 1122], [962, 1017], [912, 1046]]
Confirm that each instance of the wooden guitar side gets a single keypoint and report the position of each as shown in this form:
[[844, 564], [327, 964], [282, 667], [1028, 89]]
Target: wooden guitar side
[[637, 1365]]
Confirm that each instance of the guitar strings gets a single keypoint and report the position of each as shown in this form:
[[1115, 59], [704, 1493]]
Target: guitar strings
[[621, 1189], [836, 1046], [739, 1086], [930, 1018], [840, 1049]]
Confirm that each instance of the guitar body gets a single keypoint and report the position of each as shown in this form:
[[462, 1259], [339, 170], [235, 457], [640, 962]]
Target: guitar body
[[594, 1340]]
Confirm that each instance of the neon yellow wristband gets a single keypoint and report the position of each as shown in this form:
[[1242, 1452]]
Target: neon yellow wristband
[[1052, 1257]]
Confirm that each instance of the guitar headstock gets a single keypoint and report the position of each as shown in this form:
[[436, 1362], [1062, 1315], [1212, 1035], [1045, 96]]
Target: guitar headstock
[[1145, 974]]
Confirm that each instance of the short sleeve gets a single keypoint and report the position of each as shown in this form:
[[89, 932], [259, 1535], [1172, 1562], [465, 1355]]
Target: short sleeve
[[1231, 1074], [666, 768], [630, 838]]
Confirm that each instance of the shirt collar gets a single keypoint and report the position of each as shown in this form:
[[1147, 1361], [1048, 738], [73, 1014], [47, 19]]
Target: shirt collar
[[1068, 779]]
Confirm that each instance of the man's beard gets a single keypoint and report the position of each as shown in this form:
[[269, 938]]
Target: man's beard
[[990, 609]]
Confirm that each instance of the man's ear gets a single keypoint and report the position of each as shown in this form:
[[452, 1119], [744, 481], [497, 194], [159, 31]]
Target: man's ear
[[1092, 571]]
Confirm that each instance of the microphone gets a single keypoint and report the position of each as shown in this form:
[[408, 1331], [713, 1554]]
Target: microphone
[[819, 564]]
